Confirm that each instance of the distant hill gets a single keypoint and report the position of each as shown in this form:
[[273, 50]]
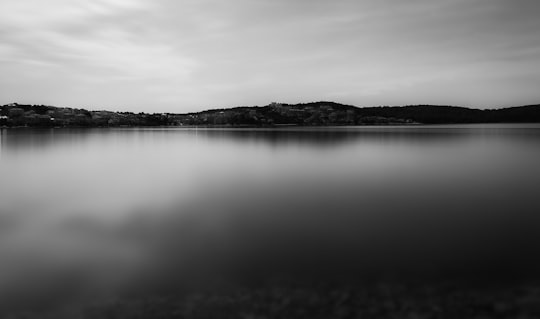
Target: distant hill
[[431, 114], [274, 114]]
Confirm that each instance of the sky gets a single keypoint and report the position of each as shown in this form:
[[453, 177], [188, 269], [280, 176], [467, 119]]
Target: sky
[[190, 55]]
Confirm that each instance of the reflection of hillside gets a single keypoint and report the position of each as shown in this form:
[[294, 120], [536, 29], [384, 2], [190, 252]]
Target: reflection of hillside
[[35, 139], [21, 139], [43, 138], [334, 136]]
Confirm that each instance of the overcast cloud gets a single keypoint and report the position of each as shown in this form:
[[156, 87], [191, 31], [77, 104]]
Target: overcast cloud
[[189, 55]]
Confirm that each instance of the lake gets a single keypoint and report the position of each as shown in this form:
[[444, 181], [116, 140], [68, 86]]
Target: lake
[[87, 215]]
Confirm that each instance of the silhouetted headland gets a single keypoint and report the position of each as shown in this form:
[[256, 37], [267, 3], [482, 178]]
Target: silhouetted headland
[[274, 114]]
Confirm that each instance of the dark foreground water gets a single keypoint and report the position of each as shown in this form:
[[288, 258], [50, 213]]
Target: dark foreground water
[[90, 217]]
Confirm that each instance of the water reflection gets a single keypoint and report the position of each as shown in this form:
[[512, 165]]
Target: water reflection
[[34, 139], [87, 215]]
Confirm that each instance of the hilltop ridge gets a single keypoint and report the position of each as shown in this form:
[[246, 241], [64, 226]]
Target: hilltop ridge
[[321, 113]]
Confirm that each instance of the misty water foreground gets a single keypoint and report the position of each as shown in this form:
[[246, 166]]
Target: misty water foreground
[[94, 217]]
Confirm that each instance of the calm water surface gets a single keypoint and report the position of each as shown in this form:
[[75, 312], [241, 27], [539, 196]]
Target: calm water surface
[[91, 214]]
